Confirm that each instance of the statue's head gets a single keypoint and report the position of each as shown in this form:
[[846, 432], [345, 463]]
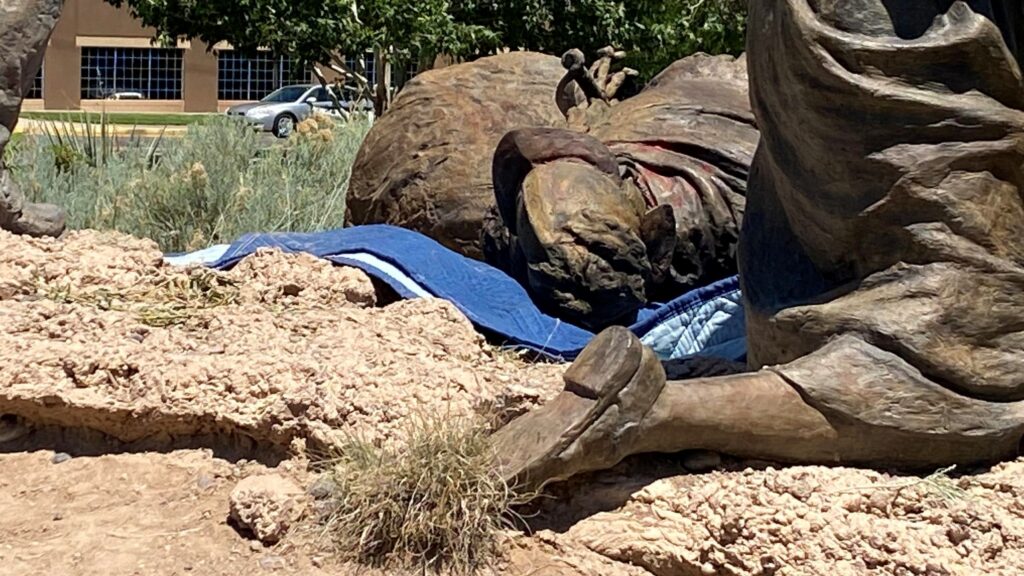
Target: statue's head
[[587, 246], [641, 201]]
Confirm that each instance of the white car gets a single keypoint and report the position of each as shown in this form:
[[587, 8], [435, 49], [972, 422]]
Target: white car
[[285, 107], [126, 96]]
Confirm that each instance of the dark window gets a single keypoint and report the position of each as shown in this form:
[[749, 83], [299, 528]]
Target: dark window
[[322, 96], [368, 62], [37, 86], [241, 77], [404, 72], [286, 94], [153, 72]]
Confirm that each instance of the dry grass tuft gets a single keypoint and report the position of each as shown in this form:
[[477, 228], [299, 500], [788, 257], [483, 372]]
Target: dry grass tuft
[[173, 300], [435, 501]]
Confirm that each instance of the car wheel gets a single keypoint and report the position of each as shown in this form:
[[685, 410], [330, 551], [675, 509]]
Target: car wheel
[[284, 125]]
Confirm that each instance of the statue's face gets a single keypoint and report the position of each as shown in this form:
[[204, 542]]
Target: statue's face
[[581, 232]]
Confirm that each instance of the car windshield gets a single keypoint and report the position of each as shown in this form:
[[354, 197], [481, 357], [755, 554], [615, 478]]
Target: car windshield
[[286, 94]]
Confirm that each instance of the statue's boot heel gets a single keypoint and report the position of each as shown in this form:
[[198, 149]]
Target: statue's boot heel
[[591, 424]]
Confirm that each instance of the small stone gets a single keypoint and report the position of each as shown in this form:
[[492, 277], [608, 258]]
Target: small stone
[[958, 534], [205, 481], [322, 488], [699, 461], [272, 563], [255, 546], [708, 569], [769, 565], [317, 562], [267, 506], [58, 516], [60, 457]]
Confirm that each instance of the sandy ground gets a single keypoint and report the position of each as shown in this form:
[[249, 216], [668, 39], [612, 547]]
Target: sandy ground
[[125, 423]]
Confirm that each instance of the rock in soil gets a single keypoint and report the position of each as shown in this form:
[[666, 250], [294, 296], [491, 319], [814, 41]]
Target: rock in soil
[[267, 506]]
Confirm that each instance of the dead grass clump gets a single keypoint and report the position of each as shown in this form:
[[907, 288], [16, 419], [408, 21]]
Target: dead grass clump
[[434, 500], [172, 300]]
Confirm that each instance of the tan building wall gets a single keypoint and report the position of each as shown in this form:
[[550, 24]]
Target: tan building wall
[[86, 24], [94, 23]]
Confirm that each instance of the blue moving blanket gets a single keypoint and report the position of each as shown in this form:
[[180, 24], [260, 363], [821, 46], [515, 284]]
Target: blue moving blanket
[[707, 322]]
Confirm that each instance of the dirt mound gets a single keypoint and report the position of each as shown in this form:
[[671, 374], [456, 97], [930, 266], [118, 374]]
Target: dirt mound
[[99, 334], [103, 349], [806, 520]]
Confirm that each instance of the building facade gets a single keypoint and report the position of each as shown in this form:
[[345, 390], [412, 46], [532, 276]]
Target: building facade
[[97, 51]]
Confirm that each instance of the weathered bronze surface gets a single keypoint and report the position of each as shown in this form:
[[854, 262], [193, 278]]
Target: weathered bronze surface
[[578, 236], [581, 233], [595, 250], [882, 258], [426, 164], [25, 27]]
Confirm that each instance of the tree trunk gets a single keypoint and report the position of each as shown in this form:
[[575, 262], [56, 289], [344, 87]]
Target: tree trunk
[[382, 63]]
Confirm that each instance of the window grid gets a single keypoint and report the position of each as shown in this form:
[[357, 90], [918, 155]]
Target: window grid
[[369, 62], [408, 72], [241, 77], [156, 73], [37, 85]]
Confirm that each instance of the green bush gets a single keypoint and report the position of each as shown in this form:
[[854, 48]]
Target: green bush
[[210, 186]]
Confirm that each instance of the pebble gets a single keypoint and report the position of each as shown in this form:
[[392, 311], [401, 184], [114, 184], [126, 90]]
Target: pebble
[[205, 481], [321, 488], [272, 563], [60, 457]]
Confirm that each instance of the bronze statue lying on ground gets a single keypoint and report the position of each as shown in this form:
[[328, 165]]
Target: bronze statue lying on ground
[[882, 260], [646, 205], [426, 164], [651, 210], [23, 35]]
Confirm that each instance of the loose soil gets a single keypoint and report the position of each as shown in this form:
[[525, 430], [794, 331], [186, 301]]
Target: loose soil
[[134, 396]]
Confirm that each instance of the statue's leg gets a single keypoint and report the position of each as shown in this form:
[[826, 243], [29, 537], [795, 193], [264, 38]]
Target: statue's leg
[[847, 403], [882, 262], [617, 403]]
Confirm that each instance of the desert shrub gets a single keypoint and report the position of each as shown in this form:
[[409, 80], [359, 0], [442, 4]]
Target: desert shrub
[[434, 500], [211, 185]]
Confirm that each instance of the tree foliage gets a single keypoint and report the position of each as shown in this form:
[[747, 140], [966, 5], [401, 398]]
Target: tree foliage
[[656, 32], [321, 31]]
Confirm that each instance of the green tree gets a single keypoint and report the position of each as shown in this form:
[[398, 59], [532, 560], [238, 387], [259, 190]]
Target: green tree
[[654, 32], [399, 32], [322, 32]]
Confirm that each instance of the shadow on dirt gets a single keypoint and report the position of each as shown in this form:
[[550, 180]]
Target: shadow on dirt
[[564, 505], [20, 435]]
